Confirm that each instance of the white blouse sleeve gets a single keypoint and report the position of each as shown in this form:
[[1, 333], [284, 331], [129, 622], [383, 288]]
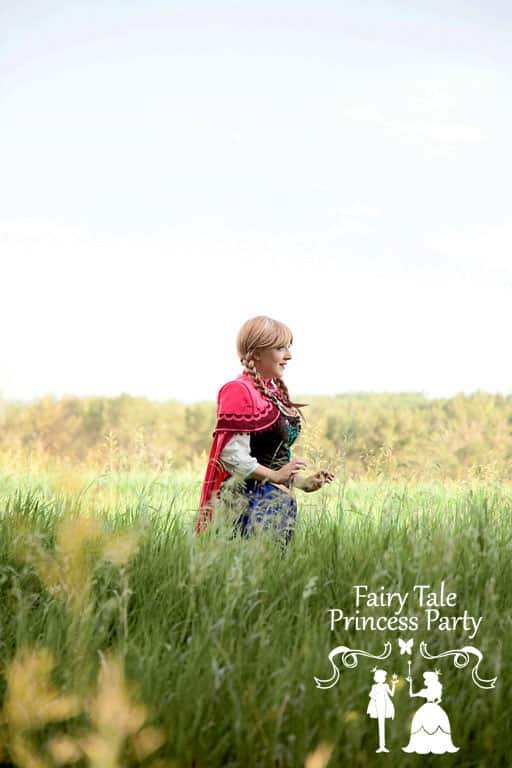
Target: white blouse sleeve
[[236, 455]]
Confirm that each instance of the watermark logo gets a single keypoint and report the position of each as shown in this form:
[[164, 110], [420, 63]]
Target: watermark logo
[[430, 730]]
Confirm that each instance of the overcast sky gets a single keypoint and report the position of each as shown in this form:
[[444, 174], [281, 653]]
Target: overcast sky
[[170, 169]]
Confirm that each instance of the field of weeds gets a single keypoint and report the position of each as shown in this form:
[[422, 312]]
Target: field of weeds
[[126, 639]]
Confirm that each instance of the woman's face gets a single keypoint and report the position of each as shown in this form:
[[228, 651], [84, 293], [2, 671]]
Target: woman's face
[[271, 363]]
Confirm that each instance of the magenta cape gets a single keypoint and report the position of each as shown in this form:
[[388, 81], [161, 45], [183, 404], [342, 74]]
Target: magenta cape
[[240, 408]]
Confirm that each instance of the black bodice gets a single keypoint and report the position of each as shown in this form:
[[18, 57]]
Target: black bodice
[[272, 446]]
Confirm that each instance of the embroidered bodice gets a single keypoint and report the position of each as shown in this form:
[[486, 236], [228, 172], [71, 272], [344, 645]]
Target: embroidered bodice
[[271, 447]]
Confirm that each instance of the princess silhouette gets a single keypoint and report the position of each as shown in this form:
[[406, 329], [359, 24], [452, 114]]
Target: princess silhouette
[[430, 727], [380, 705]]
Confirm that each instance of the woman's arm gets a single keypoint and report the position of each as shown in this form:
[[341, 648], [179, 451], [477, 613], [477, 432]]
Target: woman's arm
[[236, 457], [411, 694], [313, 482], [306, 483], [420, 693]]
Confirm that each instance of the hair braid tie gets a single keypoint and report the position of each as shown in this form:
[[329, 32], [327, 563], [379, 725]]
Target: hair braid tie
[[253, 373]]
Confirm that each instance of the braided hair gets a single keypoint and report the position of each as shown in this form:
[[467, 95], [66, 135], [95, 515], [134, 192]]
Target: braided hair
[[263, 332]]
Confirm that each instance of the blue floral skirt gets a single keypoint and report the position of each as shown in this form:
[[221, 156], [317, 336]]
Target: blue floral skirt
[[267, 507]]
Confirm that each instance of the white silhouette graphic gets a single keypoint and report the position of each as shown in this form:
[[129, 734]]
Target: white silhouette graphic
[[430, 727], [349, 660], [380, 705], [461, 658], [405, 645]]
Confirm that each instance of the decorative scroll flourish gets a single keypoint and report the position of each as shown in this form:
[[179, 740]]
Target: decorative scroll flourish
[[349, 660], [461, 658]]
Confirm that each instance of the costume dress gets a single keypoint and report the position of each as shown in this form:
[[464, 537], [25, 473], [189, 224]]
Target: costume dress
[[430, 729], [264, 425], [380, 702]]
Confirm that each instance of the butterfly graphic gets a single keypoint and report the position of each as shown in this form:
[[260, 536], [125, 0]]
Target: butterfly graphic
[[405, 645]]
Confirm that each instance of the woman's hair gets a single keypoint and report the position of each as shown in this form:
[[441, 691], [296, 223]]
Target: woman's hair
[[432, 682], [380, 676], [263, 332]]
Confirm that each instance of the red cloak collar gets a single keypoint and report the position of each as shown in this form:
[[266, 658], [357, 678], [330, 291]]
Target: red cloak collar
[[240, 408]]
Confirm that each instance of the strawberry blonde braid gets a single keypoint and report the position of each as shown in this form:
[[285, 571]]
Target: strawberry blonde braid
[[258, 333]]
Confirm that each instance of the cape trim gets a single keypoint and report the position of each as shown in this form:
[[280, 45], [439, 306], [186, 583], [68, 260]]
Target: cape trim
[[240, 408]]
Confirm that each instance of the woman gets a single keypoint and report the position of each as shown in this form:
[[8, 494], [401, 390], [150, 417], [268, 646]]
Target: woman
[[430, 727], [256, 425]]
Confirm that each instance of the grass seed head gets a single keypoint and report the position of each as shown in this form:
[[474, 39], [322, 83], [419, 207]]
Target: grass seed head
[[32, 700]]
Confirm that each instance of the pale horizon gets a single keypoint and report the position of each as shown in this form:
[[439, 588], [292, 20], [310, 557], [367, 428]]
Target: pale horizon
[[169, 171]]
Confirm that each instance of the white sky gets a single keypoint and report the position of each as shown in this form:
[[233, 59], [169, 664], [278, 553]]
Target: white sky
[[168, 170]]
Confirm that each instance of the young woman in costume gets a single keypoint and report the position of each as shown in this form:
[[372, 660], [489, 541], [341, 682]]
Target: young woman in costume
[[256, 425], [430, 726]]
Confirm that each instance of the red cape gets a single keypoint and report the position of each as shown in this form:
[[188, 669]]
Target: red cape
[[240, 408]]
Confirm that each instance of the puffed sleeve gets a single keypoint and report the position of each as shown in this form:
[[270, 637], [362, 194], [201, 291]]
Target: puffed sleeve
[[236, 455]]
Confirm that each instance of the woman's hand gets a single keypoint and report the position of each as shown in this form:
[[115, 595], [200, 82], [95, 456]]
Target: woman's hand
[[316, 481], [289, 470]]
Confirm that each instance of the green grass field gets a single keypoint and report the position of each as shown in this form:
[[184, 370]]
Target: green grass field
[[125, 639]]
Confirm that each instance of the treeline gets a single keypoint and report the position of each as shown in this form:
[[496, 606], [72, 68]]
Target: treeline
[[393, 435]]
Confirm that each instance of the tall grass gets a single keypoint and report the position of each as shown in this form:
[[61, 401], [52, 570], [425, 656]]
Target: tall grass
[[147, 644]]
